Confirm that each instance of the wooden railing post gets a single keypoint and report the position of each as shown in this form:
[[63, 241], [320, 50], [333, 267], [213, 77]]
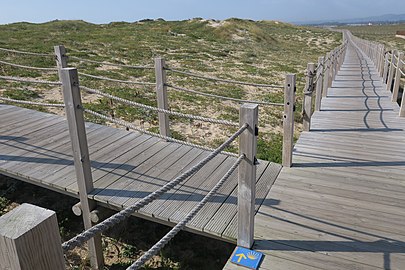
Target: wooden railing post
[[29, 239], [308, 92], [81, 158], [319, 83], [336, 65], [391, 72], [249, 114], [382, 60], [398, 75], [385, 69], [61, 57], [402, 108], [288, 119], [161, 93], [326, 72]]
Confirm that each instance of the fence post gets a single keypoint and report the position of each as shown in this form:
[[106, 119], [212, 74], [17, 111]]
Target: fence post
[[247, 175], [382, 60], [398, 75], [29, 239], [402, 108], [326, 72], [319, 75], [308, 91], [391, 72], [161, 93], [77, 130], [335, 66], [61, 57], [385, 70], [288, 119]]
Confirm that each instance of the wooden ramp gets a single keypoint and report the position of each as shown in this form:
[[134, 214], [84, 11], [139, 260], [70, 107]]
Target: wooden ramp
[[341, 205], [126, 166]]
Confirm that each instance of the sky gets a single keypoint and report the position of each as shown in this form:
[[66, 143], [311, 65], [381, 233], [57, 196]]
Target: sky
[[102, 11]]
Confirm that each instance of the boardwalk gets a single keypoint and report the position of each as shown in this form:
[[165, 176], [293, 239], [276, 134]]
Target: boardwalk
[[341, 204], [126, 166]]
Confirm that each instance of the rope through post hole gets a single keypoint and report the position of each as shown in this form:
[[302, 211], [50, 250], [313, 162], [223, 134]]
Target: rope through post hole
[[125, 213], [222, 80], [162, 242], [170, 139], [224, 98]]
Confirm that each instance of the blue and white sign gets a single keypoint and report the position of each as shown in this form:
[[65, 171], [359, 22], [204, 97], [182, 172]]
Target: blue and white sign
[[246, 257]]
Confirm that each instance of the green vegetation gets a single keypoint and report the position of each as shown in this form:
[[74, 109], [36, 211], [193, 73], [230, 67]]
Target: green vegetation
[[381, 33], [244, 50]]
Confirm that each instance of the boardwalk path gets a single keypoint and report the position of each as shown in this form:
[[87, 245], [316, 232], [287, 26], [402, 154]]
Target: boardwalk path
[[126, 166], [341, 205]]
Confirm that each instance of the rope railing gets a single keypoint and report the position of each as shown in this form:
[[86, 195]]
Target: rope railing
[[200, 76], [125, 213], [24, 52], [115, 80], [133, 127], [147, 107], [19, 79], [110, 64], [27, 67], [27, 102], [223, 97], [181, 225]]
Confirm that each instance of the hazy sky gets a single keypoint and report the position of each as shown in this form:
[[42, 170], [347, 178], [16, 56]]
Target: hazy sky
[[102, 11]]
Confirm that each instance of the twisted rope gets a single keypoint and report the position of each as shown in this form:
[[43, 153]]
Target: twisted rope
[[28, 53], [27, 67], [125, 213], [114, 80], [180, 226], [402, 72], [224, 98], [143, 106], [222, 80], [320, 65], [32, 102], [19, 79], [110, 64], [131, 126]]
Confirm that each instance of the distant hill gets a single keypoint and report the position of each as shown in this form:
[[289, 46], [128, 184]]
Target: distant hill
[[387, 18]]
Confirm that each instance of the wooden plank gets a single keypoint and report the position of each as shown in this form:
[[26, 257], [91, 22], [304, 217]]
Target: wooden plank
[[227, 211], [150, 181], [134, 185], [264, 184], [61, 159], [357, 220], [63, 177], [120, 161], [184, 190], [143, 152], [178, 165]]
